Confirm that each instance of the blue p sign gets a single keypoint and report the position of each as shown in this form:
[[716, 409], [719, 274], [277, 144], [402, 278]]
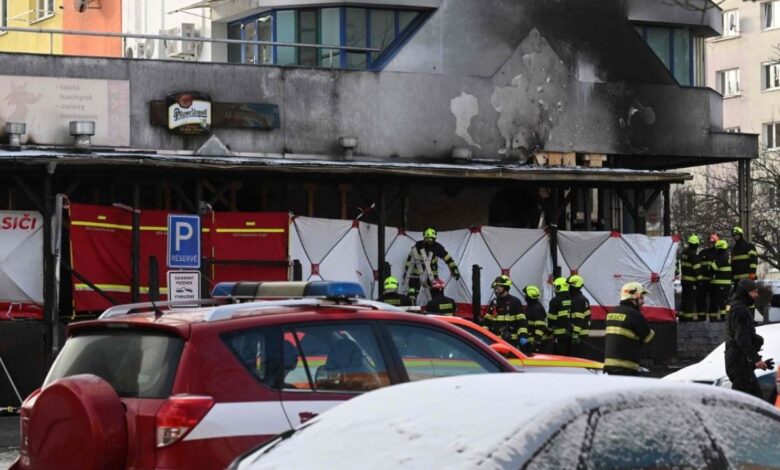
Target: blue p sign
[[184, 241]]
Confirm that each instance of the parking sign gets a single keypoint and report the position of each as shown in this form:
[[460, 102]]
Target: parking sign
[[184, 241]]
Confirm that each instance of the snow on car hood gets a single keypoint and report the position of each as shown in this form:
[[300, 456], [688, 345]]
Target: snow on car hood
[[486, 421]]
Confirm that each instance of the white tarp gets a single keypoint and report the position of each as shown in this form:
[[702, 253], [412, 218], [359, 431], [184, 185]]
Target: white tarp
[[346, 250], [21, 257]]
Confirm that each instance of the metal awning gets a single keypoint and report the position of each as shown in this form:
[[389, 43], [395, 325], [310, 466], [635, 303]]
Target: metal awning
[[198, 4], [318, 165]]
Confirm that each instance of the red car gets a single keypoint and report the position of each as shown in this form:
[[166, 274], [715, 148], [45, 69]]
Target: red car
[[186, 388]]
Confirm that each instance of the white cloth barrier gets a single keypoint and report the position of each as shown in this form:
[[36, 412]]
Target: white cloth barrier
[[347, 250], [21, 257]]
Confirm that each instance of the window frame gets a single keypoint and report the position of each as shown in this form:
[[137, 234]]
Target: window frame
[[726, 14], [766, 75], [774, 126], [44, 9], [774, 6], [3, 15], [642, 29], [722, 76]]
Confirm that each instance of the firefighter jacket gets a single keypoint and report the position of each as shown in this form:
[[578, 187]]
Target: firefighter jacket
[[397, 299], [706, 260], [690, 264], [744, 260], [626, 331], [558, 317], [441, 304], [423, 254], [721, 269], [505, 318], [741, 330], [580, 314], [537, 322]]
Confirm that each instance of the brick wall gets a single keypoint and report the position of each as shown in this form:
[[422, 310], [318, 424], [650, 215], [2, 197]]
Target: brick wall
[[696, 340]]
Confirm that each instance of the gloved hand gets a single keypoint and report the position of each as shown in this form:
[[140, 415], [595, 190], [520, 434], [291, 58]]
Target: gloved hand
[[411, 291], [770, 363], [456, 274], [523, 341]]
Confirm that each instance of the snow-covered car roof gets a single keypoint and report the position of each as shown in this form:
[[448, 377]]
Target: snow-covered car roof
[[486, 421], [713, 366]]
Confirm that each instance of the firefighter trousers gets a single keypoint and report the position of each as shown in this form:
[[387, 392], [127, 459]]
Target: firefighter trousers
[[688, 302], [702, 298], [719, 295]]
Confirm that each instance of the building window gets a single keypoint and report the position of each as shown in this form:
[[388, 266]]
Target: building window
[[380, 28], [3, 14], [731, 23], [770, 12], [728, 82], [771, 76], [771, 132], [44, 8], [674, 46], [732, 130]]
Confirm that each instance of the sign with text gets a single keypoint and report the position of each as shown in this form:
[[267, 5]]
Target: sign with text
[[184, 241], [189, 112], [48, 104], [183, 286]]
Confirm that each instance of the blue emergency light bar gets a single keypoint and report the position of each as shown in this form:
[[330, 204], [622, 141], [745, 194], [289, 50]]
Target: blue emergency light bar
[[259, 290]]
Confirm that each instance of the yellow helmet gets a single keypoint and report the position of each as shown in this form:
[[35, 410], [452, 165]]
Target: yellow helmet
[[391, 283], [737, 231], [576, 281], [532, 292], [561, 285], [721, 245], [502, 280], [632, 290], [429, 232], [693, 240]]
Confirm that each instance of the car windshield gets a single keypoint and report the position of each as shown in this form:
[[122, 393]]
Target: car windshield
[[482, 337], [135, 364]]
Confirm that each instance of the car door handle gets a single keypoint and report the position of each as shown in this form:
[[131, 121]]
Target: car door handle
[[306, 416]]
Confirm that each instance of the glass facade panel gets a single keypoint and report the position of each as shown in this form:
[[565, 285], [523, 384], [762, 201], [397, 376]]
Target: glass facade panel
[[382, 30], [330, 34], [307, 34], [682, 56], [250, 50], [286, 32], [659, 40], [356, 37], [234, 50], [405, 18], [265, 32]]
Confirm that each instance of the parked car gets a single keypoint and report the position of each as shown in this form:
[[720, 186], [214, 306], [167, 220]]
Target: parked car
[[712, 369], [533, 421], [535, 363], [186, 388]]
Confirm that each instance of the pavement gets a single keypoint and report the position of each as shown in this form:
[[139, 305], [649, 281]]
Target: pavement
[[9, 440]]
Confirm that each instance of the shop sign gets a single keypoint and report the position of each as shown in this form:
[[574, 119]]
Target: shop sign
[[189, 112]]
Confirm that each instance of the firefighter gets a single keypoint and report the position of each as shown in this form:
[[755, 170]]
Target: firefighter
[[580, 314], [744, 257], [742, 342], [536, 316], [706, 258], [422, 264], [391, 295], [505, 316], [720, 283], [439, 302], [559, 319], [689, 262], [626, 331]]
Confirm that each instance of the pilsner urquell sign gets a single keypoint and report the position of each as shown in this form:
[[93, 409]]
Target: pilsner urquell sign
[[189, 112]]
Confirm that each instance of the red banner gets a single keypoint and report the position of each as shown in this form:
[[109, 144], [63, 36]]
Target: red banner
[[237, 247]]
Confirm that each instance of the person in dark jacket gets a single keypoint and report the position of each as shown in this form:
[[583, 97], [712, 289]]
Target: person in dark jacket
[[439, 302], [689, 278], [720, 283], [706, 259], [422, 264], [537, 318], [744, 257], [627, 330], [505, 316], [559, 317], [580, 314], [742, 342], [391, 296]]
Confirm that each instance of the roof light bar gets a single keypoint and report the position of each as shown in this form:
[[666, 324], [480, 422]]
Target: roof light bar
[[258, 290]]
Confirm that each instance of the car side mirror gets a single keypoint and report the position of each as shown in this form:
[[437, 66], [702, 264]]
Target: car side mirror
[[502, 349]]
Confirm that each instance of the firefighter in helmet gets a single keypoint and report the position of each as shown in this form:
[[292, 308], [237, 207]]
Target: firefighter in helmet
[[720, 283], [626, 331], [580, 313], [390, 294], [689, 278], [536, 316], [439, 302], [559, 318], [744, 257], [422, 264], [505, 316], [706, 259]]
